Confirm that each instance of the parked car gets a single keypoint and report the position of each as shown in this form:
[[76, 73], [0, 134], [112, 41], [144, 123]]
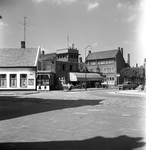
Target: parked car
[[127, 85]]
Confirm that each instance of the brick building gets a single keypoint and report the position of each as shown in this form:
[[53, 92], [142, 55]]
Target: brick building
[[109, 63], [61, 63], [65, 66]]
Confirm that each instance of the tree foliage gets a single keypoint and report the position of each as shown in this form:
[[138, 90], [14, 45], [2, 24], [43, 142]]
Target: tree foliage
[[138, 72]]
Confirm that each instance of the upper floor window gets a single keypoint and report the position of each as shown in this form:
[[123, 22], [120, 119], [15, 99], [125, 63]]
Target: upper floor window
[[13, 80], [71, 68], [2, 80], [63, 67], [109, 70]]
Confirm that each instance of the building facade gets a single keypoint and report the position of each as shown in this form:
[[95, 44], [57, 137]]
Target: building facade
[[18, 67], [108, 63], [61, 63]]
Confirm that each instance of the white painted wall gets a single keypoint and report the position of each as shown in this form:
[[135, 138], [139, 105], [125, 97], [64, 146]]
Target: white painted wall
[[31, 74]]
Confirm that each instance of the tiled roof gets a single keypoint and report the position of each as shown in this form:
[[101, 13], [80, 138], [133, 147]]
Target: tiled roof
[[18, 57], [102, 55], [50, 56]]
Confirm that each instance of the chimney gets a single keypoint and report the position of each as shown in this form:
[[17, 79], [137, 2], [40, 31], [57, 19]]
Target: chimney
[[136, 65], [80, 59], [119, 48], [89, 52], [128, 61], [43, 52], [122, 51], [22, 44]]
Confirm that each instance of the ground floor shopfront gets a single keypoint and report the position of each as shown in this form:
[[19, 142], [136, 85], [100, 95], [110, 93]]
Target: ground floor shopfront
[[17, 79], [25, 79]]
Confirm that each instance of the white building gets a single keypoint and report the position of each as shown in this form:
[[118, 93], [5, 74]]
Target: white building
[[18, 67]]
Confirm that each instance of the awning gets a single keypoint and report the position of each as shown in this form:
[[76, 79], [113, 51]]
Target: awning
[[76, 76]]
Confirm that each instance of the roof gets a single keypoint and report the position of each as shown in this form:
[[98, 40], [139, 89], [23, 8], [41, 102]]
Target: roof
[[50, 56], [18, 57], [102, 55]]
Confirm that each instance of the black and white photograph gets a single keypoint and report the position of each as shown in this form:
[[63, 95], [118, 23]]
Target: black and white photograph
[[72, 74]]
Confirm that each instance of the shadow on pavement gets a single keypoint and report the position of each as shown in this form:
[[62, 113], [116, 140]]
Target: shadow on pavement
[[97, 143], [12, 107]]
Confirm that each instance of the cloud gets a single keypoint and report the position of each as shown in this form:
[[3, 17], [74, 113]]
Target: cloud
[[38, 1], [127, 42], [130, 18], [95, 44], [2, 24], [128, 6], [119, 5], [91, 6], [64, 1], [55, 1]]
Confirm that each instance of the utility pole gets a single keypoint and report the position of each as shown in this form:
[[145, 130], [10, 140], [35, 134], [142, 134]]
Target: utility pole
[[68, 41], [24, 29]]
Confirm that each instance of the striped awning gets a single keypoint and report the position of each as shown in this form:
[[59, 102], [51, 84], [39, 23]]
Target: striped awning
[[76, 76]]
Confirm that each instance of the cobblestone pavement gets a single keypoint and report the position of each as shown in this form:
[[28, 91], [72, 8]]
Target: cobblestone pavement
[[76, 120]]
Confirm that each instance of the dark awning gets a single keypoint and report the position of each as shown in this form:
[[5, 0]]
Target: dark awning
[[76, 76]]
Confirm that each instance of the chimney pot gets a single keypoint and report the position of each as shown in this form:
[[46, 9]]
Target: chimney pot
[[22, 44], [128, 61], [43, 52], [122, 51], [118, 48]]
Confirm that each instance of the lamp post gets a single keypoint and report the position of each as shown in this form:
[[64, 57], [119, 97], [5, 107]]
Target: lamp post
[[85, 67]]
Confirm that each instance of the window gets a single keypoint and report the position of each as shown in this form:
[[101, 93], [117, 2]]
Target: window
[[59, 67], [23, 80], [31, 81], [104, 70], [71, 68], [113, 69], [63, 67], [13, 80], [3, 80], [74, 67]]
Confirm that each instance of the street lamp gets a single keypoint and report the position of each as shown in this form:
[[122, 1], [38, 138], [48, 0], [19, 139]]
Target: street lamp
[[85, 66]]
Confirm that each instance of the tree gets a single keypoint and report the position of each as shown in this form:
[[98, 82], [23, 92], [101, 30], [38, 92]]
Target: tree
[[138, 72]]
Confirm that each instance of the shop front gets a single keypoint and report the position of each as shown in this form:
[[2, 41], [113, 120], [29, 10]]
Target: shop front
[[45, 80]]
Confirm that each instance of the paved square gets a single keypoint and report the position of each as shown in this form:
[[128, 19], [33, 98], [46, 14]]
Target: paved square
[[77, 120]]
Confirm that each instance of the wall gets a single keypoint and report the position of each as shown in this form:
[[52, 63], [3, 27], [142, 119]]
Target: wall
[[120, 65], [31, 75]]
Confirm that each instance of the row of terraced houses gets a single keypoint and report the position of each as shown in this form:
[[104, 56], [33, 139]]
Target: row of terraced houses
[[33, 69]]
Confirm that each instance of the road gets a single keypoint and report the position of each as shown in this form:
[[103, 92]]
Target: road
[[77, 120]]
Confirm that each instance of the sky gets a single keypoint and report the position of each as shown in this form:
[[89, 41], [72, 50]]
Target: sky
[[55, 24]]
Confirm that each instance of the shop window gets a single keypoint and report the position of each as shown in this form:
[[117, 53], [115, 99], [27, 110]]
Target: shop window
[[13, 80], [30, 81], [23, 80], [3, 80]]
